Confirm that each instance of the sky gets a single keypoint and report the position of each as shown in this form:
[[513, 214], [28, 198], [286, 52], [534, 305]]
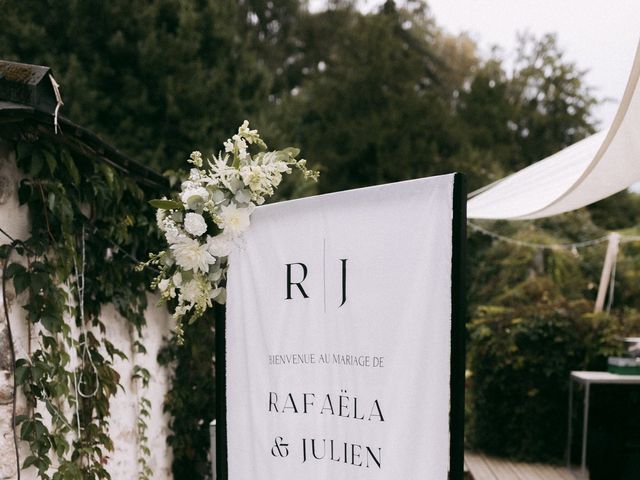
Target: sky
[[600, 36]]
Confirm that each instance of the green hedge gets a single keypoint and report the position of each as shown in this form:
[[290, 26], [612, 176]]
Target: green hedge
[[519, 358]]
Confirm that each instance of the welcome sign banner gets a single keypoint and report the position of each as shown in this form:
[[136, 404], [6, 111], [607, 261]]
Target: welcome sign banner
[[344, 355]]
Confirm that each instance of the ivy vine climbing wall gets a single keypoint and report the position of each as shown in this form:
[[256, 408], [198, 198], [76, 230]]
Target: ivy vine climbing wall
[[80, 390]]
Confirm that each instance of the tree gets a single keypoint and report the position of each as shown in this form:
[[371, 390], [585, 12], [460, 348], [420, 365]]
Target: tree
[[374, 109], [155, 78]]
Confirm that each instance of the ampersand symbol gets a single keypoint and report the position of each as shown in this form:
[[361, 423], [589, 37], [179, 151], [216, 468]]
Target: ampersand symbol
[[280, 449]]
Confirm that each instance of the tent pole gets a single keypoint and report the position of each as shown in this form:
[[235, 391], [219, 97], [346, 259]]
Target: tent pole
[[609, 261]]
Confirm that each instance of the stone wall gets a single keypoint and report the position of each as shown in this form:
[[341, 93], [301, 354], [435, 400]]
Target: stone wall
[[123, 461]]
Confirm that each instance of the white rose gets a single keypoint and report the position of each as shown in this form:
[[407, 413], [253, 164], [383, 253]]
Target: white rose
[[192, 194], [194, 224]]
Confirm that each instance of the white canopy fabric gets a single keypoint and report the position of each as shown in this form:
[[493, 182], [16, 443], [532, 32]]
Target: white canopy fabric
[[581, 174]]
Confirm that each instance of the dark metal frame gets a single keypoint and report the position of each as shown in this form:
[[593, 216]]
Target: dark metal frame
[[458, 333], [458, 328]]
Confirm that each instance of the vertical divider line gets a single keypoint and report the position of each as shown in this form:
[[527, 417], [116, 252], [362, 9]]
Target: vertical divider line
[[324, 272]]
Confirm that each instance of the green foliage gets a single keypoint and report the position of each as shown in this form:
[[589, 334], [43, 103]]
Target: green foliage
[[191, 398], [75, 205], [155, 78], [520, 356]]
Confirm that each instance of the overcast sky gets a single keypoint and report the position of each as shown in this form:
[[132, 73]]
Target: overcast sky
[[598, 35]]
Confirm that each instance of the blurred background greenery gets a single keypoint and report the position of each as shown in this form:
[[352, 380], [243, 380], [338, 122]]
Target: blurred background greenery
[[369, 98]]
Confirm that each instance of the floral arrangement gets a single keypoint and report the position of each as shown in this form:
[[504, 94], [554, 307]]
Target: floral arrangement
[[203, 223]]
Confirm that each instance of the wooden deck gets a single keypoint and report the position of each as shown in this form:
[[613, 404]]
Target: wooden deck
[[482, 467]]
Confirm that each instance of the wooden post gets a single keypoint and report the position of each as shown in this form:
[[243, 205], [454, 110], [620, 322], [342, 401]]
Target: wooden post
[[609, 262]]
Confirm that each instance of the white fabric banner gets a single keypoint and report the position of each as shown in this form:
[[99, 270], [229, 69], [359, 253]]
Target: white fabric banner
[[338, 337]]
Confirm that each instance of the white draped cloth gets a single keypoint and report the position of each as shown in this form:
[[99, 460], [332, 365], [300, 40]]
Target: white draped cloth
[[583, 173]]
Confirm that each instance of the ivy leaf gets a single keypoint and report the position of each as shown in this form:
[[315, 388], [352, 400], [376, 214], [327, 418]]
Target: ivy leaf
[[39, 281], [37, 162], [51, 323], [5, 250], [21, 282], [24, 150], [29, 461], [22, 371], [21, 418], [26, 430], [166, 204], [14, 269], [51, 160], [70, 165]]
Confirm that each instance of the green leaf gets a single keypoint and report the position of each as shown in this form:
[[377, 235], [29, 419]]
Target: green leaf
[[37, 162], [70, 165], [21, 418], [51, 160], [291, 151], [29, 461], [166, 204], [21, 282], [14, 269], [24, 150]]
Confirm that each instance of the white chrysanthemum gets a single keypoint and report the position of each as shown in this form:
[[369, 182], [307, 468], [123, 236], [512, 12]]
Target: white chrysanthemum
[[190, 291], [191, 255], [194, 224], [234, 220], [192, 193], [220, 245]]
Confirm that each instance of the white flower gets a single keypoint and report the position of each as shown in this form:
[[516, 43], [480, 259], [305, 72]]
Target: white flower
[[190, 291], [174, 236], [167, 288], [191, 255], [234, 220], [220, 245], [196, 158], [228, 146], [161, 214], [194, 224], [254, 178], [250, 135], [194, 194], [177, 279], [242, 149]]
